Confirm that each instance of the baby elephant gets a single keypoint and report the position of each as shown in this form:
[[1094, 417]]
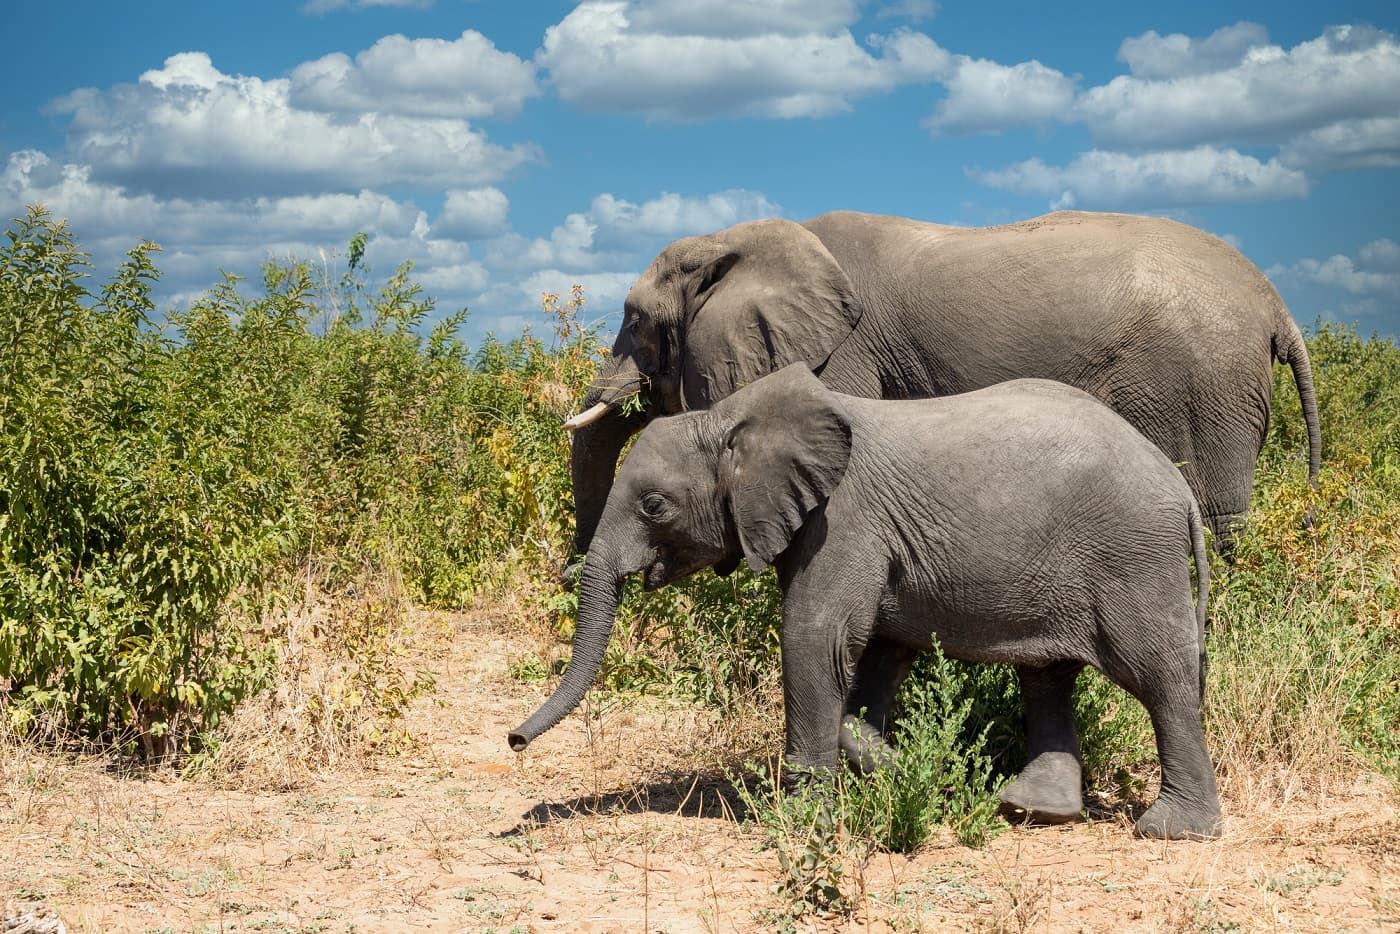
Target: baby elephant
[[1025, 523]]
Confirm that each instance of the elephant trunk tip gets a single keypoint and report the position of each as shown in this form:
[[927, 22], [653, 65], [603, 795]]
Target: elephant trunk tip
[[518, 741]]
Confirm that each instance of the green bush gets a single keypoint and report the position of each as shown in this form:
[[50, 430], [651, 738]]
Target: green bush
[[937, 779], [160, 487], [129, 510]]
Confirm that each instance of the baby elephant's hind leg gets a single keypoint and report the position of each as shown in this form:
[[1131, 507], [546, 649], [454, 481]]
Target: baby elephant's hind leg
[[1048, 790], [1188, 806], [1168, 682]]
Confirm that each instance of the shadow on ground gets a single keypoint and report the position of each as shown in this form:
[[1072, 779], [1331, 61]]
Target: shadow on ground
[[695, 794]]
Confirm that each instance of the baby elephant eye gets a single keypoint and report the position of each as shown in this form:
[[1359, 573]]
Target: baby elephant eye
[[653, 504]]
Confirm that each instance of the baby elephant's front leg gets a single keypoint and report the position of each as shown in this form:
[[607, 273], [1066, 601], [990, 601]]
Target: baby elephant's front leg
[[829, 607], [814, 693]]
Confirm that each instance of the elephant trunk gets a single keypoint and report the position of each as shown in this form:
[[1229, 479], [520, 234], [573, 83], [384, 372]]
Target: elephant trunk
[[597, 444], [599, 593]]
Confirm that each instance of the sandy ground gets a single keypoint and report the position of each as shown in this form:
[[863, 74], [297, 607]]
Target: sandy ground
[[608, 824]]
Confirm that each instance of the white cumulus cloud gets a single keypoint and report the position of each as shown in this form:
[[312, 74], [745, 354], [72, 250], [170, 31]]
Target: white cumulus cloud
[[1362, 289], [102, 210], [614, 232], [1176, 178], [472, 214], [683, 61], [672, 215], [732, 19], [1381, 254], [1372, 143], [187, 127], [1172, 131], [915, 11], [1374, 272], [1269, 96], [463, 77], [1155, 57], [986, 96]]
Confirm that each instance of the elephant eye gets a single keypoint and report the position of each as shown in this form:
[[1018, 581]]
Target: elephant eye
[[653, 505]]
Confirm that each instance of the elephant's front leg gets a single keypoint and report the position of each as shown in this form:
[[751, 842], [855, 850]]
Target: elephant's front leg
[[822, 633], [882, 668], [1048, 790], [815, 676]]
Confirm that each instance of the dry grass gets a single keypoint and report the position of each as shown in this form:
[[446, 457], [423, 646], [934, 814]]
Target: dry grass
[[1274, 715], [348, 666]]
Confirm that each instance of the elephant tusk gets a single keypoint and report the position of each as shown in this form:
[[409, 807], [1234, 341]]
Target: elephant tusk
[[587, 418]]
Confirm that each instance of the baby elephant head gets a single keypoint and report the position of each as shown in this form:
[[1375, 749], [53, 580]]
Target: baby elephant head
[[699, 490]]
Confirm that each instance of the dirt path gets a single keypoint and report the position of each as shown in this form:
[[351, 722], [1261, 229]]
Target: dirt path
[[619, 835]]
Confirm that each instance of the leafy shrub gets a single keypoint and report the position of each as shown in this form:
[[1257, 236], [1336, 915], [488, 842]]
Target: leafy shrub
[[162, 488], [938, 778], [129, 516]]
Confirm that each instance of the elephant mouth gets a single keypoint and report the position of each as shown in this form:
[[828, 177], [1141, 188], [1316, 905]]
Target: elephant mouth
[[667, 568], [615, 394], [655, 576]]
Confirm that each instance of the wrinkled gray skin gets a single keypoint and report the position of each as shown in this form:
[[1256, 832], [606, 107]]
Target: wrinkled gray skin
[[1171, 327], [1025, 523]]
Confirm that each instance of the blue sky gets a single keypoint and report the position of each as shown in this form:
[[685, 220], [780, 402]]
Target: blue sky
[[510, 147]]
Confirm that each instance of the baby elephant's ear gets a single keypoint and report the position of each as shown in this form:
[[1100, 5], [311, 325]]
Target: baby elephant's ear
[[786, 449]]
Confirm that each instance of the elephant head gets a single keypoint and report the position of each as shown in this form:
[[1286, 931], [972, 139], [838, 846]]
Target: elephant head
[[704, 489], [710, 314]]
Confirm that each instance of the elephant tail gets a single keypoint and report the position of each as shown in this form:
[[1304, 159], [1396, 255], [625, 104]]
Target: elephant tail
[[1202, 558], [1289, 348]]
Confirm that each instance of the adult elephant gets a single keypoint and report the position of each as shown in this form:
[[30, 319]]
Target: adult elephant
[[1171, 327]]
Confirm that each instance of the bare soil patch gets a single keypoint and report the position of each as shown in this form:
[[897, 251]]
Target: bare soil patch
[[622, 821]]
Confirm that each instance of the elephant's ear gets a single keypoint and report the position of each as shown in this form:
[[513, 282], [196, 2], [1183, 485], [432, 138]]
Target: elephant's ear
[[760, 296], [786, 449]]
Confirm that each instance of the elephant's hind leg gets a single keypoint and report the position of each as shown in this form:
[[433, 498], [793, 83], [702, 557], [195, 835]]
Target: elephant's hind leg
[[1225, 527], [1048, 790], [882, 668], [1167, 681], [1188, 806]]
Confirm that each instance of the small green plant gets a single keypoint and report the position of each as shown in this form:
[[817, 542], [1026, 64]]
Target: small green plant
[[529, 669], [936, 779], [1303, 878], [802, 827]]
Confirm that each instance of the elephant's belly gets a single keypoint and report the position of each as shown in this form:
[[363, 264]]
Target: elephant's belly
[[992, 626]]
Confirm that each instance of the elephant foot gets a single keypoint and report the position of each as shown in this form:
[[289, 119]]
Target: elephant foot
[[863, 747], [1174, 820], [1046, 792], [803, 781]]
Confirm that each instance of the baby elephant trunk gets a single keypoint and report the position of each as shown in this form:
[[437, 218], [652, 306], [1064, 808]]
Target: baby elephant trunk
[[599, 592]]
